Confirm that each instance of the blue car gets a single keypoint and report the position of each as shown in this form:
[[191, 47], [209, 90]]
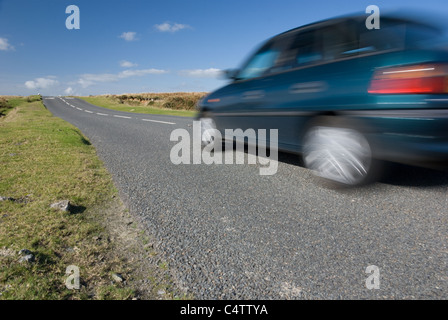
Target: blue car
[[345, 97]]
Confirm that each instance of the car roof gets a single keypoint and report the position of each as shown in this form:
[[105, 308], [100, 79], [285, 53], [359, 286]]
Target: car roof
[[405, 16]]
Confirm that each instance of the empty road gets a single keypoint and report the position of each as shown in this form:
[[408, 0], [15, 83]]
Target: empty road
[[230, 233]]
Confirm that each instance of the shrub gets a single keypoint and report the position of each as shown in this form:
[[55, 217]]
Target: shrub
[[4, 105], [174, 101], [34, 98]]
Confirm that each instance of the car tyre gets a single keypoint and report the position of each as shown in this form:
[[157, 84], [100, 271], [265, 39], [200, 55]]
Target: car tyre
[[337, 151], [208, 125]]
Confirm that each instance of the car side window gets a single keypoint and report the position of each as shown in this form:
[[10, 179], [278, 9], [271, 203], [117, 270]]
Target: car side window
[[339, 41], [259, 63], [307, 49], [272, 58]]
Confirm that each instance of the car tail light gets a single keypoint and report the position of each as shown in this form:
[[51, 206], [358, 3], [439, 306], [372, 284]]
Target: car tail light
[[418, 79]]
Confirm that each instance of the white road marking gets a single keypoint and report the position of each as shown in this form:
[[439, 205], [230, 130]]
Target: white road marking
[[165, 122], [115, 115]]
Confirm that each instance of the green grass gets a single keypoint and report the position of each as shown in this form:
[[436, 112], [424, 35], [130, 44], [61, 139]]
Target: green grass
[[7, 103], [113, 103], [43, 159]]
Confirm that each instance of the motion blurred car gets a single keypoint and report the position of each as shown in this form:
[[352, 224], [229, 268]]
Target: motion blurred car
[[345, 97]]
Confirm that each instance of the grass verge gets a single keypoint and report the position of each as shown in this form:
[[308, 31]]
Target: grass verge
[[7, 103], [175, 104], [43, 160]]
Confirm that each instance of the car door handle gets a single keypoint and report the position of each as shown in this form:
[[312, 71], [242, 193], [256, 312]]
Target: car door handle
[[255, 94], [308, 87]]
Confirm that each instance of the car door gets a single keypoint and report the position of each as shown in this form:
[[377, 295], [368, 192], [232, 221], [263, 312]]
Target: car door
[[293, 87], [324, 77]]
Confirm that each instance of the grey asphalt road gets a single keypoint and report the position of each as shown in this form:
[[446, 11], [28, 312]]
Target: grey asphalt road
[[230, 233]]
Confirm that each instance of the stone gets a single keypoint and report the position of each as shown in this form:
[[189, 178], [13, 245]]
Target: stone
[[117, 277], [63, 205], [27, 258], [25, 252]]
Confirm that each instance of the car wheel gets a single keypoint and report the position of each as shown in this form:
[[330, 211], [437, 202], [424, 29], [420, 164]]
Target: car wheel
[[207, 127], [339, 153]]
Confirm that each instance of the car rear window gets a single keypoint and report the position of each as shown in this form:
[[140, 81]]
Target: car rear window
[[397, 34], [388, 37], [422, 36]]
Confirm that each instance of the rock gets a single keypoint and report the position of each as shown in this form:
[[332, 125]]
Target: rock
[[6, 198], [63, 205], [24, 252], [117, 277], [27, 258]]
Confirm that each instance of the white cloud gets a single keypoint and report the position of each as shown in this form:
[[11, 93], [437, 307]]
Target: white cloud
[[201, 73], [69, 91], [168, 27], [127, 64], [41, 83], [129, 36], [4, 45], [89, 79], [142, 72]]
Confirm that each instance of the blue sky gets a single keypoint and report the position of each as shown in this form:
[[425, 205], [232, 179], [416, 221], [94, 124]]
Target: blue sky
[[148, 46]]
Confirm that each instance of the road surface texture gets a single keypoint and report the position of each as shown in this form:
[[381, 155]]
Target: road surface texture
[[230, 233]]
